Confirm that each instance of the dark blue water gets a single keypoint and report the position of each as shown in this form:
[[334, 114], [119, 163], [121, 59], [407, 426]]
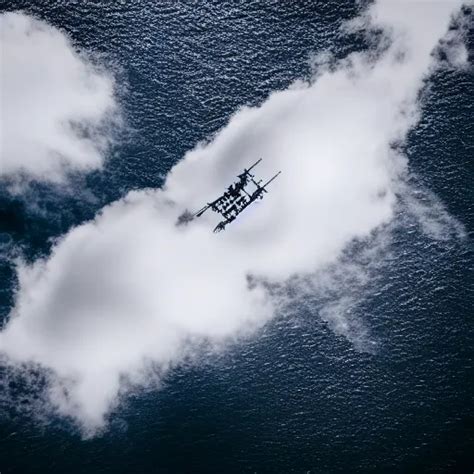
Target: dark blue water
[[296, 397]]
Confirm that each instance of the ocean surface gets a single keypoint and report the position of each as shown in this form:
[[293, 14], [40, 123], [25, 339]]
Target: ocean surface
[[295, 397]]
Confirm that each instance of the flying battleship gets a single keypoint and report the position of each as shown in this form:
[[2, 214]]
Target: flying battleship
[[238, 196]]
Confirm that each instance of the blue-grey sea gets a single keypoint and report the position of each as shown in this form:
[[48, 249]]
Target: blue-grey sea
[[296, 397]]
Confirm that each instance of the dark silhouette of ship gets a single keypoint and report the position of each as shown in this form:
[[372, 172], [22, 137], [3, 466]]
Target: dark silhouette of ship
[[236, 198]]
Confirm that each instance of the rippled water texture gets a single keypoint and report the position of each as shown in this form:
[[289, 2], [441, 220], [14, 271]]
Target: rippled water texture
[[299, 396]]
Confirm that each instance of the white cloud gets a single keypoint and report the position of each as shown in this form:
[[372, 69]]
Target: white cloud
[[55, 105], [131, 289]]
